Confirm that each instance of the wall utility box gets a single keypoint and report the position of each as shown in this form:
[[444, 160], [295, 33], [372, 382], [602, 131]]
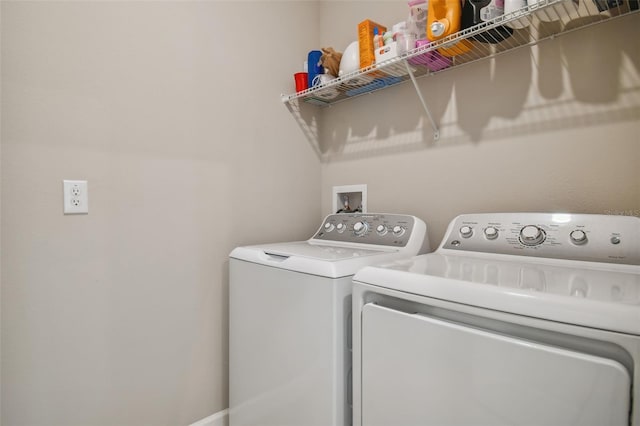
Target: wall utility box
[[349, 199]]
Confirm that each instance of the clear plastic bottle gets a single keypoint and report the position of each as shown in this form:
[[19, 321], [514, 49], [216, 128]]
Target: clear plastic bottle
[[417, 21]]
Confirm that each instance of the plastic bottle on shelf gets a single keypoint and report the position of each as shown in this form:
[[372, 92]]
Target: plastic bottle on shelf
[[378, 40], [417, 21], [444, 19], [475, 12], [406, 41], [388, 37]]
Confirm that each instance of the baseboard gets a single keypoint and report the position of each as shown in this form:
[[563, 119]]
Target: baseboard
[[221, 418]]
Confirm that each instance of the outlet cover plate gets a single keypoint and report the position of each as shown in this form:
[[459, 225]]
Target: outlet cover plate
[[75, 196]]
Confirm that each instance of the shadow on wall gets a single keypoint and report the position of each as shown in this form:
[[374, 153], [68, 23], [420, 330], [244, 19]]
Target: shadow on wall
[[497, 87], [584, 78], [596, 73]]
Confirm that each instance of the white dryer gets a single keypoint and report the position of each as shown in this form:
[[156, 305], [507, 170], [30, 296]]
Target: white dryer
[[516, 319], [290, 322]]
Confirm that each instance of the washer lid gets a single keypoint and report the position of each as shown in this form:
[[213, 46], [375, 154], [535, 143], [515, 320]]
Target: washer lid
[[600, 296], [327, 260], [327, 253]]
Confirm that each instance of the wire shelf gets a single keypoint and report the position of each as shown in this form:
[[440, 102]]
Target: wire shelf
[[528, 26]]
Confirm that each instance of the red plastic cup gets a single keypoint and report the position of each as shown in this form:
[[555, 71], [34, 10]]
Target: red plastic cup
[[302, 82]]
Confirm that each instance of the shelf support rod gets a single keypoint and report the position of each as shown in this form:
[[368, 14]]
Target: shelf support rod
[[436, 132]]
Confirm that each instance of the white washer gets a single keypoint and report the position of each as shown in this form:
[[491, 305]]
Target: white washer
[[289, 309], [516, 319]]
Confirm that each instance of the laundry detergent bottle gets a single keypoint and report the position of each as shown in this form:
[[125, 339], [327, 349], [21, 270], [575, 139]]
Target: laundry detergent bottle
[[443, 19], [475, 12]]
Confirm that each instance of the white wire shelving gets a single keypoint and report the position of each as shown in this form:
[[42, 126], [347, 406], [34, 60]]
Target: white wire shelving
[[528, 26]]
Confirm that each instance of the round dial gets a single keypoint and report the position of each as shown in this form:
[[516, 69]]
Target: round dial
[[578, 237], [381, 229], [340, 227], [531, 235], [360, 228], [491, 233], [328, 227], [398, 230], [466, 231]]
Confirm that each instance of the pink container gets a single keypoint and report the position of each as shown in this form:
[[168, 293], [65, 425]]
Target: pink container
[[432, 60]]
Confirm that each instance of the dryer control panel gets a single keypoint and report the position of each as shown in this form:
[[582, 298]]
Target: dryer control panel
[[393, 230], [588, 237]]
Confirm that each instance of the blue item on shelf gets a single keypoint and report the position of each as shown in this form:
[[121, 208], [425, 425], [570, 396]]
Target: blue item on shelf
[[376, 84], [313, 64]]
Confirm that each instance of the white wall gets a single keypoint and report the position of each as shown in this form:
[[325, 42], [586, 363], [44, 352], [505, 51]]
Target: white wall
[[549, 128], [171, 111]]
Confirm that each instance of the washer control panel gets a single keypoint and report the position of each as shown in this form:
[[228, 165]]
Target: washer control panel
[[589, 237], [379, 229]]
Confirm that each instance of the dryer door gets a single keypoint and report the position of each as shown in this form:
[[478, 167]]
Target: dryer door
[[418, 370]]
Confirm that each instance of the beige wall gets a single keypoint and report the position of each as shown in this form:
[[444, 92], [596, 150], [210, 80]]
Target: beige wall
[[549, 128], [171, 111], [0, 216]]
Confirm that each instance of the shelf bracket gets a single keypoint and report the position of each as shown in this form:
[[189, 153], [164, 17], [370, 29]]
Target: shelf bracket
[[436, 132]]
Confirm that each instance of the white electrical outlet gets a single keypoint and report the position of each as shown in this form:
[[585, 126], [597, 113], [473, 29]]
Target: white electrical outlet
[[75, 196]]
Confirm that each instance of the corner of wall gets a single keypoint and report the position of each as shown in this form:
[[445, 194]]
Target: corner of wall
[[221, 418]]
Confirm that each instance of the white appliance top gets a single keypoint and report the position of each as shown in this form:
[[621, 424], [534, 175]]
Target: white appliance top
[[320, 252], [541, 280], [343, 244]]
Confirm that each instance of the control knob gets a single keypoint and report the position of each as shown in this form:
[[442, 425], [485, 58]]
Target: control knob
[[360, 228], [340, 227], [466, 231], [578, 237], [328, 227], [381, 230], [398, 230], [491, 233], [531, 235]]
